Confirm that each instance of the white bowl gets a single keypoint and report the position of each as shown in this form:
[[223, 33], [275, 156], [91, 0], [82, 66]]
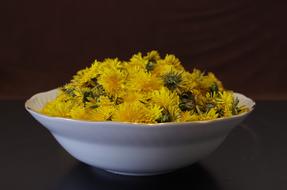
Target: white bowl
[[136, 149]]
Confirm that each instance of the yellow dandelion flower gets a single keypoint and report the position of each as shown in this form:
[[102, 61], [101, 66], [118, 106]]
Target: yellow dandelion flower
[[172, 60], [133, 96], [209, 80], [196, 75], [152, 55], [136, 112], [99, 101], [211, 114], [78, 76], [95, 66], [132, 68], [225, 102], [161, 69], [103, 113], [137, 61], [188, 82], [174, 112], [164, 98], [152, 58], [145, 82], [86, 76], [59, 107], [105, 101], [187, 116], [112, 80], [109, 63], [83, 77], [154, 112], [68, 89], [79, 95], [79, 112], [133, 71], [100, 114]]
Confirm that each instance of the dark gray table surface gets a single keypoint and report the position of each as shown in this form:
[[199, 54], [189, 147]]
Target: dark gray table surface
[[253, 157]]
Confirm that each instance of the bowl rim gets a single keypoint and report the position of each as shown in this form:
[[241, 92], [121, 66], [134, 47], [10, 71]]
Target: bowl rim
[[32, 111]]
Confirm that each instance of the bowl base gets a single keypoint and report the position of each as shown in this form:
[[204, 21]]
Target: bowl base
[[139, 174]]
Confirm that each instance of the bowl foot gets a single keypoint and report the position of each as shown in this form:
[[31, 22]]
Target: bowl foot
[[139, 174]]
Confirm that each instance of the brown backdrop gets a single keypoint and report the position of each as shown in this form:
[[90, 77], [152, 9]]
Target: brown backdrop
[[43, 43]]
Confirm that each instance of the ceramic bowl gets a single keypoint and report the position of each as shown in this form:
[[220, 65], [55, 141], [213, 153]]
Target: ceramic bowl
[[136, 149]]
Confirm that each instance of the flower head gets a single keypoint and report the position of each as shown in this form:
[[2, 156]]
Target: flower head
[[172, 80], [187, 116], [136, 112], [164, 98], [211, 114], [225, 102], [60, 107], [112, 80], [144, 81]]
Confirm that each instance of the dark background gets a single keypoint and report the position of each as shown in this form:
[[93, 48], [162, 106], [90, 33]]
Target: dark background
[[43, 43]]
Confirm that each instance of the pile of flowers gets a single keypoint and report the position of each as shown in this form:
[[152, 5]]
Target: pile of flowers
[[145, 89]]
